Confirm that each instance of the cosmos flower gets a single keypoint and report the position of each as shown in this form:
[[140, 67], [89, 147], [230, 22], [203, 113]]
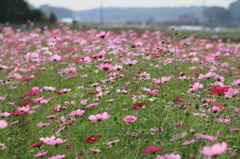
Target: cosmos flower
[[152, 149], [92, 139], [37, 144], [99, 117], [3, 124], [129, 119], [214, 150], [40, 154]]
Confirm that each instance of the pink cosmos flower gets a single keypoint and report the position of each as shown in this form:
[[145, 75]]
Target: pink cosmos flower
[[48, 88], [76, 113], [105, 67], [95, 150], [130, 63], [101, 35], [144, 76], [225, 121], [205, 137], [57, 157], [51, 116], [113, 142], [169, 156], [187, 142], [91, 105], [34, 91], [231, 92], [55, 58], [3, 124], [56, 142], [41, 154], [99, 117], [215, 150], [5, 114], [129, 119], [41, 124], [47, 139], [236, 83], [2, 146], [165, 79]]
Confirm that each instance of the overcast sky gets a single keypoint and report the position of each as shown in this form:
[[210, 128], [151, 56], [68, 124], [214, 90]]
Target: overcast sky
[[89, 4]]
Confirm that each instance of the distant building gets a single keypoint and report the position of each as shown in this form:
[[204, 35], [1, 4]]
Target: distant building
[[68, 21]]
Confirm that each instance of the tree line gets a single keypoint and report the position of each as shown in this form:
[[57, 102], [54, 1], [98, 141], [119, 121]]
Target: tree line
[[18, 11], [219, 16]]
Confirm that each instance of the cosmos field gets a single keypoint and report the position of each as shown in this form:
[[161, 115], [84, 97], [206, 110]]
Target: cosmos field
[[74, 94]]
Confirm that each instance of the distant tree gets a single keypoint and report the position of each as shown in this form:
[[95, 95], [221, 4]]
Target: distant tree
[[218, 16], [52, 17], [234, 8], [18, 11]]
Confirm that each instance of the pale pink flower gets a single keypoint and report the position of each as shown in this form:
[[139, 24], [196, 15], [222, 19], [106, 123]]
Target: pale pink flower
[[144, 76], [101, 35], [231, 92], [5, 114], [113, 142], [165, 79], [2, 146], [236, 83], [57, 157], [205, 137], [215, 150], [55, 58], [41, 124], [105, 67], [91, 105], [225, 121], [56, 142], [95, 150], [3, 124], [51, 116], [130, 63], [40, 154], [99, 117], [187, 142], [129, 119], [49, 88], [169, 156], [83, 102], [76, 113], [70, 70], [47, 139]]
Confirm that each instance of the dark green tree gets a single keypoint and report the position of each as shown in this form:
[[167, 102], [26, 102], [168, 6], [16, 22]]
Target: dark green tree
[[218, 16], [18, 11], [52, 17]]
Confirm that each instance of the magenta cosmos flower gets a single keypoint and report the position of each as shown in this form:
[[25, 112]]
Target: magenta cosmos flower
[[99, 117], [129, 119], [215, 150], [3, 124], [152, 149]]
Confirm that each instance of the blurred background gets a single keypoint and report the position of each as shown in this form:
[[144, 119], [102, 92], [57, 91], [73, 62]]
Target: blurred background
[[188, 15]]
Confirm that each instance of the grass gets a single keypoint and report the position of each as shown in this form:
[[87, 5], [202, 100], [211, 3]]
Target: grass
[[165, 103]]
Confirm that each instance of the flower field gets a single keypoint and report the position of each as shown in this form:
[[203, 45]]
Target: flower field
[[77, 94]]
